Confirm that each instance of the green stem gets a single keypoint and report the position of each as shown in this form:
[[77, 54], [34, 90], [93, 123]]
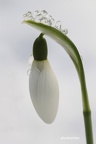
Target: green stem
[[88, 127], [85, 102], [86, 108]]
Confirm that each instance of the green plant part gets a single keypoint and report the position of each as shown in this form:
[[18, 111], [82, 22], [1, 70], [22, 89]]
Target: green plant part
[[40, 48], [72, 51]]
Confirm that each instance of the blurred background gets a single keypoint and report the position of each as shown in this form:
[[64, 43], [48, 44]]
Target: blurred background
[[19, 123]]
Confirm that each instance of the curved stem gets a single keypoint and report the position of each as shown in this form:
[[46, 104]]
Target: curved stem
[[86, 108], [85, 101]]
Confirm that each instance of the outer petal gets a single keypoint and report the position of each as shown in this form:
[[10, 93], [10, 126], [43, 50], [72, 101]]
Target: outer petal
[[44, 90]]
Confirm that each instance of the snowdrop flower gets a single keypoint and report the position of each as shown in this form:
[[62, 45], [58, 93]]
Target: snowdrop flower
[[43, 86], [44, 91]]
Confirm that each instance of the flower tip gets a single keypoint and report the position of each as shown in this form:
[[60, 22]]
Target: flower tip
[[48, 121], [47, 117]]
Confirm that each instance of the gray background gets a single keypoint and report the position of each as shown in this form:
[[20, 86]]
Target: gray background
[[19, 123]]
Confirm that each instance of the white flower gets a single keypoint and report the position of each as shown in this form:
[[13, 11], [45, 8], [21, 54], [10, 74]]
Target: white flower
[[44, 90]]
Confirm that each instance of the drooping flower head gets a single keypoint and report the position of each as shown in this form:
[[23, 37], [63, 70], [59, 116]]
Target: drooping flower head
[[43, 84], [43, 22]]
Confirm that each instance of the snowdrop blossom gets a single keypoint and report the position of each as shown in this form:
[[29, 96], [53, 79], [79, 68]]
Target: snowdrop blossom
[[42, 81], [43, 86]]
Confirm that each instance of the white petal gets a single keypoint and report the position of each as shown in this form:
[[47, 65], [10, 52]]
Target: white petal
[[44, 90]]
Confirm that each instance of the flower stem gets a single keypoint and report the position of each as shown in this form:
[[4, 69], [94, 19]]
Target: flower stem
[[86, 108], [88, 127]]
